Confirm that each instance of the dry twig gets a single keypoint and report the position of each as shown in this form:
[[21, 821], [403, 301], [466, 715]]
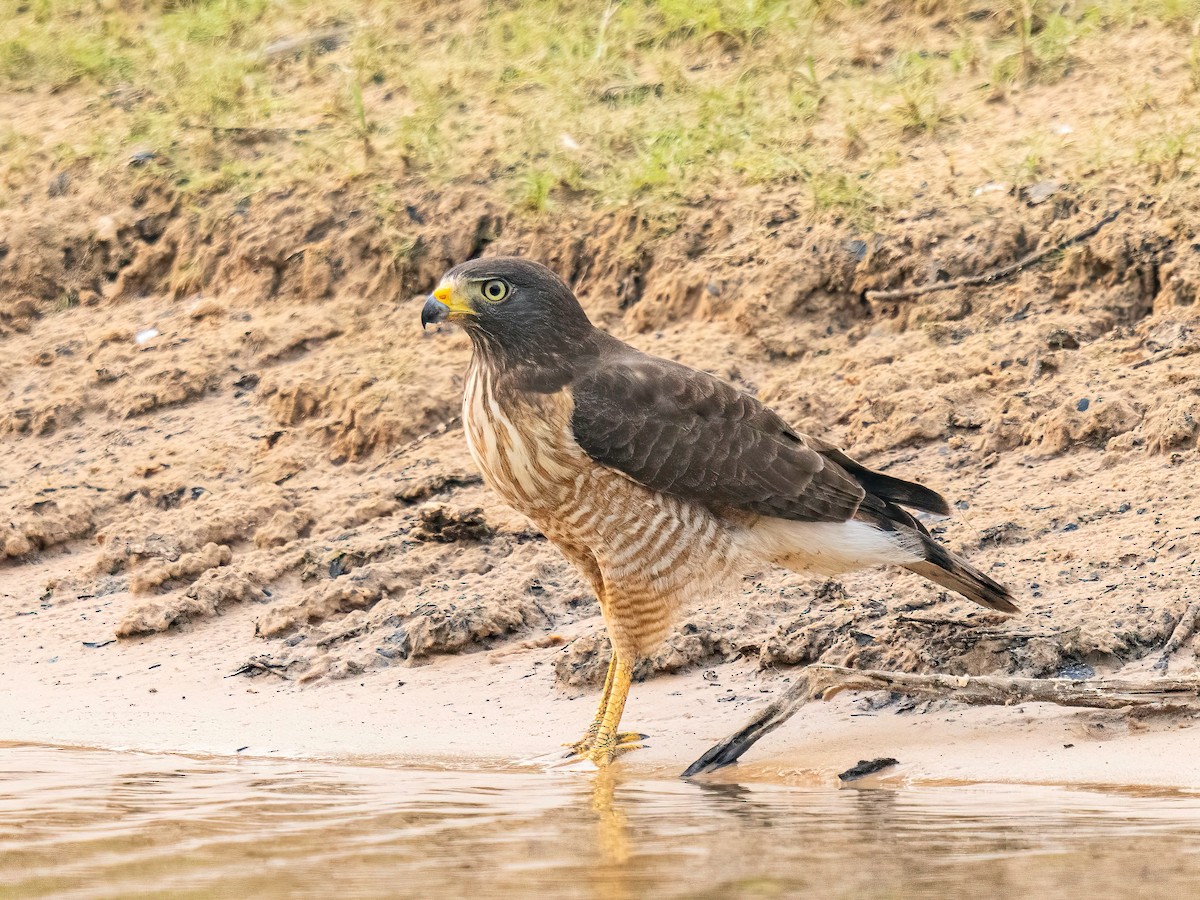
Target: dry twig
[[249, 132], [1184, 629], [1169, 353], [257, 664], [995, 274], [821, 681], [438, 431], [345, 635]]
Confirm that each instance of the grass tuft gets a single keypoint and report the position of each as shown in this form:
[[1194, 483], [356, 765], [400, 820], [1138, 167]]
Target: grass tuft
[[650, 103]]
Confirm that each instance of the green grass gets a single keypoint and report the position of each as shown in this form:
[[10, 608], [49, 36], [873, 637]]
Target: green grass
[[918, 108], [1167, 155], [1193, 65], [630, 102]]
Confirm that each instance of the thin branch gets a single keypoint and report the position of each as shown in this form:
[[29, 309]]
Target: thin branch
[[821, 681], [345, 635], [1169, 353], [944, 620], [441, 429], [248, 131], [995, 274], [258, 664], [433, 432], [1184, 629], [604, 20]]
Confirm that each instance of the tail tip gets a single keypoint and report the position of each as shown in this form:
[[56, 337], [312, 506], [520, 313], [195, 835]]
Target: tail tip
[[1003, 603]]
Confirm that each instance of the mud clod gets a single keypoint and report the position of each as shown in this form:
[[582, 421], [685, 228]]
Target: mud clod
[[446, 525]]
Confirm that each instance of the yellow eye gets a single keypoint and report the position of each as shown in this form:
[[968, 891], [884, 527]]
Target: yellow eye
[[494, 291]]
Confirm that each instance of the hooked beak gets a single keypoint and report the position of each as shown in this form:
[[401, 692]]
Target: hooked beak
[[442, 305]]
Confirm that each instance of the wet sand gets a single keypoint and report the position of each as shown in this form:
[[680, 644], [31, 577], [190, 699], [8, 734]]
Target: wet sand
[[178, 693]]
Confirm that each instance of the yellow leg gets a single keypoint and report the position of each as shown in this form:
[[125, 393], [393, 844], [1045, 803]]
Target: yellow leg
[[609, 742], [583, 745]]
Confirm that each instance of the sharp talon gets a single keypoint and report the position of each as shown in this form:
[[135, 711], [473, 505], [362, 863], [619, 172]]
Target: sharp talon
[[580, 747]]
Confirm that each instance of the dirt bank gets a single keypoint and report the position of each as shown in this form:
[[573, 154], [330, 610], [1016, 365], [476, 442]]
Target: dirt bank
[[301, 453]]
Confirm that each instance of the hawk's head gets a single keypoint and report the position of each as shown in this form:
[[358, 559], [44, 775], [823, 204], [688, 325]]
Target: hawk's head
[[512, 308]]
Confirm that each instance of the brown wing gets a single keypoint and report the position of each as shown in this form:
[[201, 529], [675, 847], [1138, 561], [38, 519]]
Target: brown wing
[[684, 432]]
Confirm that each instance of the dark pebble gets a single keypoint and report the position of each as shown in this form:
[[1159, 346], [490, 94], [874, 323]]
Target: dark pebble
[[1076, 672]]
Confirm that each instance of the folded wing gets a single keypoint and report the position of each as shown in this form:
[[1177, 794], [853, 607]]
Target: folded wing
[[683, 432]]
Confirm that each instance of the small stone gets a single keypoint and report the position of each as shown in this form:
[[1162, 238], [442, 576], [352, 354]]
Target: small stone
[[1041, 192], [1083, 404], [205, 307], [1061, 339], [59, 184], [106, 230], [992, 187]]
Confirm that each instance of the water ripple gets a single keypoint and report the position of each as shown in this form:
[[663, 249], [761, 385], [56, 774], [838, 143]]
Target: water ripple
[[82, 824]]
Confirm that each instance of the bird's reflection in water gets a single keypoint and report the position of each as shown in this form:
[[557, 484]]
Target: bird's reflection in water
[[627, 867], [732, 814], [733, 799], [612, 838]]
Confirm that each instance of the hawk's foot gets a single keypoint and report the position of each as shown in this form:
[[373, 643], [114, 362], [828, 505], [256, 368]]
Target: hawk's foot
[[627, 740], [604, 752]]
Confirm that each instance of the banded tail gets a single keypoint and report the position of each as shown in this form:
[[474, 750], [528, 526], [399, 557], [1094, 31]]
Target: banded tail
[[943, 567], [882, 507]]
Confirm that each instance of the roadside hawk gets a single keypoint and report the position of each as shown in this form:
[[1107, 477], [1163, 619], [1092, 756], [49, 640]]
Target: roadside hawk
[[657, 481]]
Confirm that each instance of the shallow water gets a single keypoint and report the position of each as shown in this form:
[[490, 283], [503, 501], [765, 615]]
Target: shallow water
[[79, 823]]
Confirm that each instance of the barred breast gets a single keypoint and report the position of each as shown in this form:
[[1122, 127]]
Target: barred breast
[[643, 552]]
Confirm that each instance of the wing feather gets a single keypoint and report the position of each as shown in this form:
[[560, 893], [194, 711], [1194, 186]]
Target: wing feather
[[684, 432]]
